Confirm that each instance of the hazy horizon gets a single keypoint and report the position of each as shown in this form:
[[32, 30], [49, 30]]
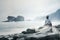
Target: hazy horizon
[[27, 8]]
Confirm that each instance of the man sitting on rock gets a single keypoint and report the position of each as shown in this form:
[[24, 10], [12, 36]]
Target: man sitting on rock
[[47, 26], [48, 22]]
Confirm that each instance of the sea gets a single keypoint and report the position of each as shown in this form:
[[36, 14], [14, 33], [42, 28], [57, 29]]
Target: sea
[[17, 27]]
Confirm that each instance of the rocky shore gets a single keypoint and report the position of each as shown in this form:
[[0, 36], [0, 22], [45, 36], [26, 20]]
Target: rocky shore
[[31, 34]]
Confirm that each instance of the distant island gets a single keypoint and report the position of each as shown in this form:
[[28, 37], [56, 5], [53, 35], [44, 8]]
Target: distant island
[[15, 19]]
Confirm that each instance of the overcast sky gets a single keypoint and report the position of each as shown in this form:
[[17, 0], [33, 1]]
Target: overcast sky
[[28, 8]]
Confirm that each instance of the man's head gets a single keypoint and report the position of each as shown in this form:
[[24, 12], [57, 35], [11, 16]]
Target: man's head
[[47, 17]]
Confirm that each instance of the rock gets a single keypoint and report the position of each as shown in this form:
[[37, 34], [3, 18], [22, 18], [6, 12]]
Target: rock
[[32, 38], [3, 38], [12, 18], [48, 37], [29, 31], [19, 18]]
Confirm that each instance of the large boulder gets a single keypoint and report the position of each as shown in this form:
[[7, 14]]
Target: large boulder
[[10, 18], [29, 31]]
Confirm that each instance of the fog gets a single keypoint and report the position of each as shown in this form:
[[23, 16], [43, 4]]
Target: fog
[[27, 8]]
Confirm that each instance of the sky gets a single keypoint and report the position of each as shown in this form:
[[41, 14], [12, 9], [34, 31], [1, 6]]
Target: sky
[[30, 9]]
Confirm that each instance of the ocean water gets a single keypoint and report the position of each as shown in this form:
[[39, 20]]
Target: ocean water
[[18, 27]]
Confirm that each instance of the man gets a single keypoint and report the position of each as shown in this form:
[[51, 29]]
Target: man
[[47, 26], [48, 22]]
